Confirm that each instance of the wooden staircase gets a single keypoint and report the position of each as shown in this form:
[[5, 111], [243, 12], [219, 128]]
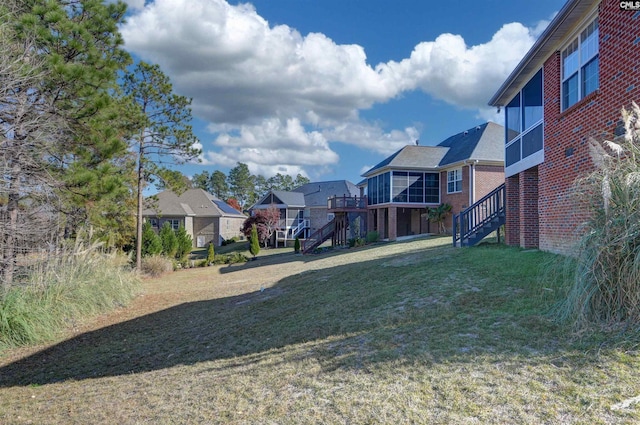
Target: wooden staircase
[[480, 219], [316, 239]]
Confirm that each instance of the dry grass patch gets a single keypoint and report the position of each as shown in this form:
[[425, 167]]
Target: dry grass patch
[[443, 335]]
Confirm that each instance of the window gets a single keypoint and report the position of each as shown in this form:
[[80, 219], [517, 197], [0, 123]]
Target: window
[[153, 222], [175, 224], [524, 136], [454, 181], [580, 66], [379, 189]]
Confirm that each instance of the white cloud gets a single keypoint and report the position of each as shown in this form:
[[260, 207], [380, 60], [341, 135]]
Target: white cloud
[[278, 99]]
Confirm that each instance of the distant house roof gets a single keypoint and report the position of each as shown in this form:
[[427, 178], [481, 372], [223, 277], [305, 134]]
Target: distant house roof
[[308, 195], [281, 197], [483, 143], [317, 193], [548, 43], [193, 202]]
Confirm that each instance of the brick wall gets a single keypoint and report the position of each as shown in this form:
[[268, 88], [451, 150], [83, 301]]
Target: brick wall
[[512, 226], [567, 133], [488, 177]]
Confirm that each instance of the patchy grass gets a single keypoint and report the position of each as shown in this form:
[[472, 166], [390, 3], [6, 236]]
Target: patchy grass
[[411, 332]]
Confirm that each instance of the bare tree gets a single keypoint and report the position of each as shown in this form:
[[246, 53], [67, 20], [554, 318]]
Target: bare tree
[[28, 134]]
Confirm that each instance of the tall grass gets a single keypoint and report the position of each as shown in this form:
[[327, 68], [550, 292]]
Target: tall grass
[[606, 287], [62, 292]]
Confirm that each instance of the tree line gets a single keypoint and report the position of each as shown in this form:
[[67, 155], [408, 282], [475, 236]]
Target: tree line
[[83, 129], [240, 188]]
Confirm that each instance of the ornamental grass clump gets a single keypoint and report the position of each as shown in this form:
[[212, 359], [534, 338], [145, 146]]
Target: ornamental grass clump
[[606, 286]]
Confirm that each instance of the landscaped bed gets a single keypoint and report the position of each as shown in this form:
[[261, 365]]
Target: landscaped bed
[[407, 332]]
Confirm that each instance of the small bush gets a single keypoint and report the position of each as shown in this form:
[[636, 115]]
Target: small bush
[[372, 236], [296, 245], [211, 254], [156, 265]]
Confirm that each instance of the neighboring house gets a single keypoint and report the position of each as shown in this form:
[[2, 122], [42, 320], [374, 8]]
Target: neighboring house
[[458, 171], [304, 210], [206, 218], [569, 87]]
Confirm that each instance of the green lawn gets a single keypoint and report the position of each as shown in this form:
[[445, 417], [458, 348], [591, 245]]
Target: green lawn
[[411, 332]]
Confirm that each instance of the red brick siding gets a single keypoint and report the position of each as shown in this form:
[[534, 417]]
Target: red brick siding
[[512, 226], [566, 153], [528, 203], [458, 200], [488, 177]]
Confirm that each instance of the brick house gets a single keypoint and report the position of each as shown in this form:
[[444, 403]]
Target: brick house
[[205, 217], [458, 171], [569, 87]]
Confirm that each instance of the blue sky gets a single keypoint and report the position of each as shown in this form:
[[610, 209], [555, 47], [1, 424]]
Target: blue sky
[[329, 88]]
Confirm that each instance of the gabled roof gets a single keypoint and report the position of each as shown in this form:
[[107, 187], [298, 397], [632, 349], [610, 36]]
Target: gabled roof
[[281, 197], [548, 43], [317, 193], [192, 202], [483, 143]]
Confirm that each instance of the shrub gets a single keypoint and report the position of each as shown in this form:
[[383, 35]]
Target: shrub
[[606, 286], [185, 243], [151, 243], [169, 240], [254, 248], [211, 254], [156, 265], [63, 291], [296, 245], [372, 236]]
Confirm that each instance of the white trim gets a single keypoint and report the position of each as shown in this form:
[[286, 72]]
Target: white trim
[[454, 181], [532, 160], [576, 36]]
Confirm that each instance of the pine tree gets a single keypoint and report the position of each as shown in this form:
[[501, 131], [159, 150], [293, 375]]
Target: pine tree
[[163, 131]]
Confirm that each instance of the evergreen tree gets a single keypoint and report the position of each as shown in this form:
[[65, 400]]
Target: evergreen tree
[[163, 131], [169, 240], [151, 243], [62, 126], [201, 181], [241, 185], [211, 254], [218, 185], [185, 244], [254, 247]]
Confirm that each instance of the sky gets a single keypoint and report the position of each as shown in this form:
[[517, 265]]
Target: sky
[[329, 88]]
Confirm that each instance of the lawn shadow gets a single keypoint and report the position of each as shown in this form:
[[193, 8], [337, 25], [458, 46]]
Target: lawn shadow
[[372, 311]]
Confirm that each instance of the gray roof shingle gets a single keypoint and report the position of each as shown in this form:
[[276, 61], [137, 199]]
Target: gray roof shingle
[[192, 202], [484, 143], [317, 193]]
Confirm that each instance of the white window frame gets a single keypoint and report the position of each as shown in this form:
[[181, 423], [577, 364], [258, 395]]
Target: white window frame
[[175, 223], [454, 176], [585, 53], [153, 222]]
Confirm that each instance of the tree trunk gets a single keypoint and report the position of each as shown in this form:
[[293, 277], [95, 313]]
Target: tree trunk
[[140, 204]]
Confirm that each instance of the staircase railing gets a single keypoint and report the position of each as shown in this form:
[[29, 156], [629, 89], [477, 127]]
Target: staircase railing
[[295, 231], [480, 219], [318, 237]]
